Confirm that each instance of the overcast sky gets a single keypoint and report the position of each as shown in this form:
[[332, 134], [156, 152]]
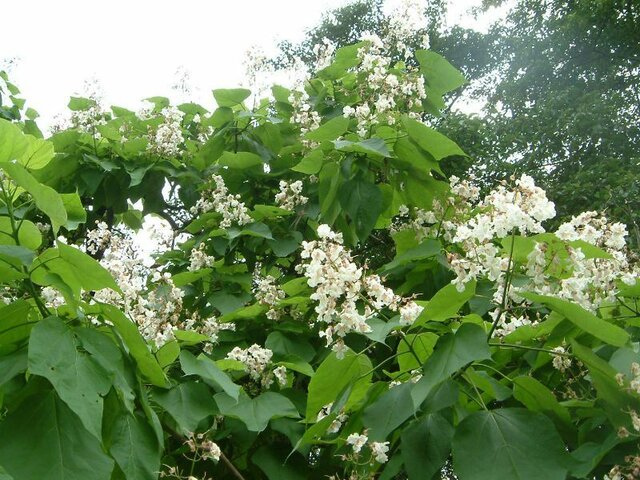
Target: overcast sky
[[135, 47]]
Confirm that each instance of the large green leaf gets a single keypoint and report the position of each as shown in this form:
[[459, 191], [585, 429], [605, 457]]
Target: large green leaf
[[46, 198], [431, 141], [78, 379], [256, 412], [13, 143], [587, 321], [239, 160], [425, 446], [389, 411], [76, 268], [329, 130], [452, 352], [44, 439], [446, 303], [428, 248], [207, 369], [362, 200], [133, 445], [441, 76], [188, 403], [29, 235], [369, 146], [333, 376], [538, 398], [508, 443], [415, 345], [138, 348], [230, 97]]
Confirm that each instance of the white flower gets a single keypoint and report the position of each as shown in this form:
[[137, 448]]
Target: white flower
[[409, 312], [357, 441], [379, 450]]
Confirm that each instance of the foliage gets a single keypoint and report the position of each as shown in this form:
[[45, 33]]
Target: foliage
[[262, 340]]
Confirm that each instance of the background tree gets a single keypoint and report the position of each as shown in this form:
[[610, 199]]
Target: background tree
[[557, 81]]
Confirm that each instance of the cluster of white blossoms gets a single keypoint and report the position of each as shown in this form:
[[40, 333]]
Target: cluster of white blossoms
[[337, 422], [207, 449], [634, 382], [290, 195], [198, 258], [89, 119], [167, 137], [98, 239], [304, 115], [324, 53], [267, 292], [482, 228], [257, 362], [379, 450], [346, 296], [383, 94], [149, 298], [52, 298], [561, 361], [219, 200]]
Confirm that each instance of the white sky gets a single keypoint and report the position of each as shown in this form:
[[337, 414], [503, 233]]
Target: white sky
[[135, 47]]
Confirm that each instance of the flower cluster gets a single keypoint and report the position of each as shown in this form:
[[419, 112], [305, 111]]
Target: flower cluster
[[268, 293], [634, 383], [203, 447], [337, 422], [199, 259], [88, 120], [378, 449], [346, 296], [290, 195], [167, 138], [149, 298], [303, 114], [257, 361], [219, 200]]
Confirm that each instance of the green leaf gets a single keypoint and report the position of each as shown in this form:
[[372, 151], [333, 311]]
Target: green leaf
[[44, 439], [4, 475], [276, 468], [78, 379], [452, 352], [138, 348], [370, 146], [446, 303], [23, 255], [431, 141], [240, 160], [133, 444], [255, 413], [207, 369], [333, 376], [508, 443], [38, 153], [282, 344], [188, 403], [344, 59], [362, 200], [329, 181], [14, 143], [230, 97], [538, 398], [46, 198], [587, 321], [76, 268], [441, 76], [422, 346], [329, 130], [76, 214], [428, 248], [311, 163], [29, 235], [389, 411], [425, 446]]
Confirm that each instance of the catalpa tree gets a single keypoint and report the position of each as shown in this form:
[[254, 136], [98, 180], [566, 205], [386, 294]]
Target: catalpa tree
[[323, 302]]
